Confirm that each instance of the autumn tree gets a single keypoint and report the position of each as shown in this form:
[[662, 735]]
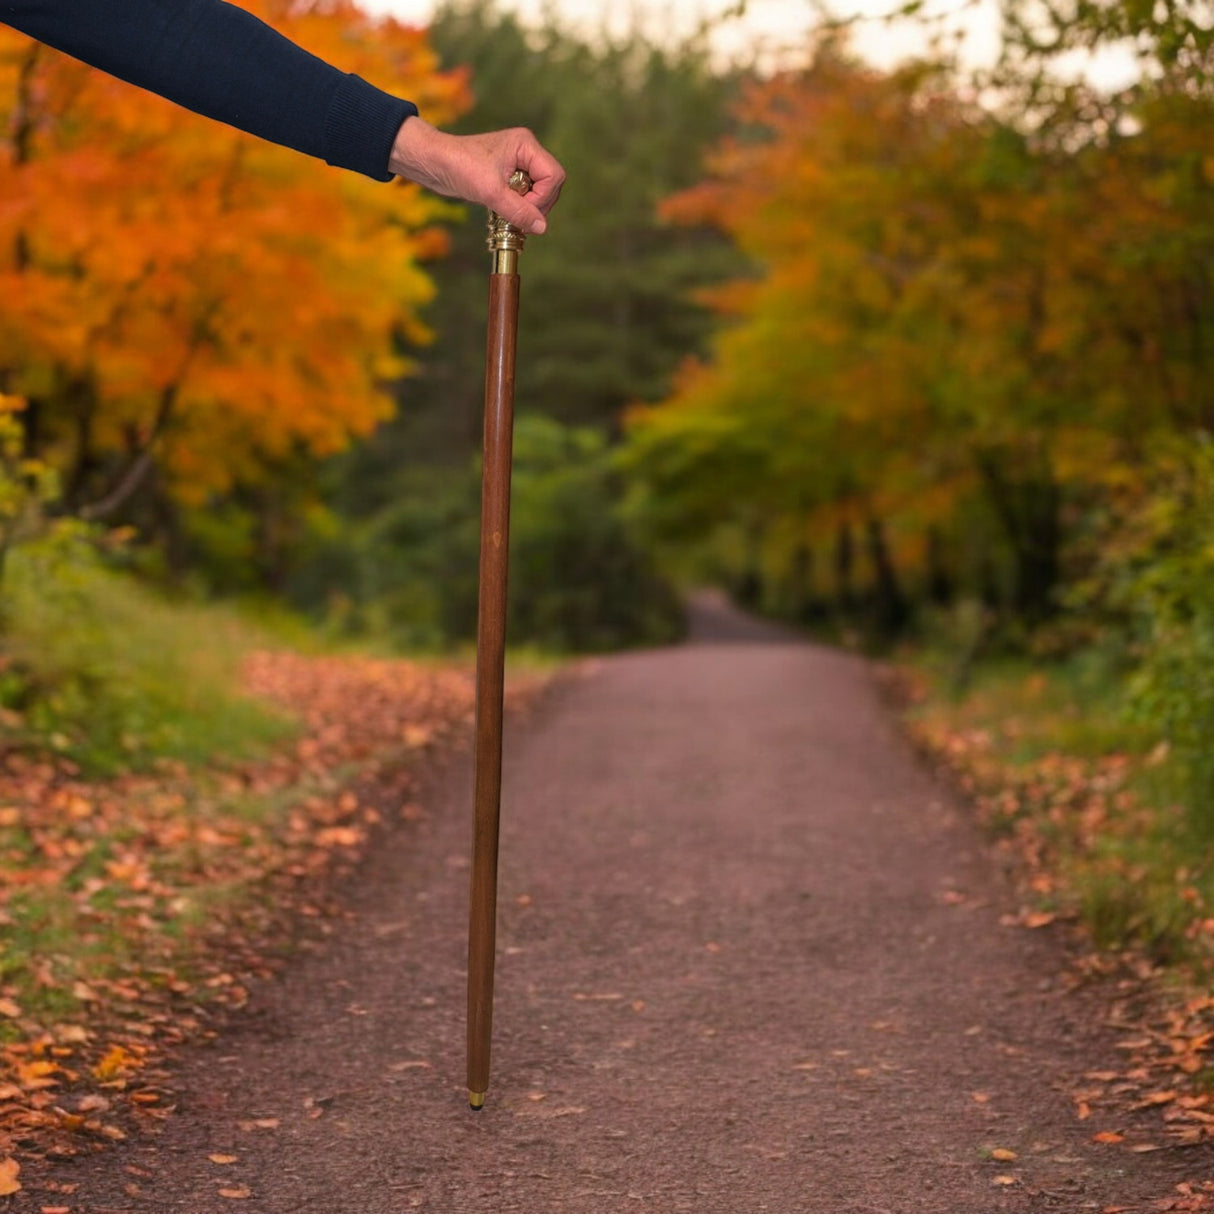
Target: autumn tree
[[185, 308], [964, 335]]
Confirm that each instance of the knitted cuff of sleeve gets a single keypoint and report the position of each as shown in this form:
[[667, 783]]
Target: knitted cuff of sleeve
[[361, 127]]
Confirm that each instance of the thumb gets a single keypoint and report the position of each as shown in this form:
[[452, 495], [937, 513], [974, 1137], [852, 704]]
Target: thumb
[[515, 209]]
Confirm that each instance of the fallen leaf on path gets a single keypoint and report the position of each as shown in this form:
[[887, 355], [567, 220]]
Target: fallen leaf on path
[[114, 1063], [9, 1169], [258, 1123], [223, 1158], [1108, 1136], [980, 1097], [1156, 1098], [1003, 1155], [1004, 1180], [237, 1193], [9, 1007]]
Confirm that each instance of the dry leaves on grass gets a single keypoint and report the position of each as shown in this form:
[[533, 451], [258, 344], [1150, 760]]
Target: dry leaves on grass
[[132, 905], [1050, 816]]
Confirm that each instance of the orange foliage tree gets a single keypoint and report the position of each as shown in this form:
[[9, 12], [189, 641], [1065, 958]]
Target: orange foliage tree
[[182, 302], [954, 331]]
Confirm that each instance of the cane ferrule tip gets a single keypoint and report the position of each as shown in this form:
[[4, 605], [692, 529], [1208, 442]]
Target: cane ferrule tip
[[476, 1100]]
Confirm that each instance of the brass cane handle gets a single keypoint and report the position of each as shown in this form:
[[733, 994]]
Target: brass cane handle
[[505, 240]]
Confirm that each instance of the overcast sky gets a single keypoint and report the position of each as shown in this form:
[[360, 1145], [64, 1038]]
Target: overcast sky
[[774, 26]]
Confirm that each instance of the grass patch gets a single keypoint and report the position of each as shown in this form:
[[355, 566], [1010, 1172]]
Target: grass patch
[[99, 669], [1079, 790]]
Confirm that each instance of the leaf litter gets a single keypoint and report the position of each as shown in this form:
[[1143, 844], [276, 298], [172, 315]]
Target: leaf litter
[[136, 907]]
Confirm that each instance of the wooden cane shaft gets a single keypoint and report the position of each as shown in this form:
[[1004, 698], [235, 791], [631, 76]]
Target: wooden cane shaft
[[490, 666]]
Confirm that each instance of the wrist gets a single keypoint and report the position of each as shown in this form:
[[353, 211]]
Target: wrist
[[408, 154]]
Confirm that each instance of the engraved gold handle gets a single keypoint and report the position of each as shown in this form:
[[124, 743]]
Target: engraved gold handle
[[505, 241]]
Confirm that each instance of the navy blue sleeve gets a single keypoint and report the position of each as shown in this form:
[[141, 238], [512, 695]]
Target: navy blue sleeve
[[221, 61]]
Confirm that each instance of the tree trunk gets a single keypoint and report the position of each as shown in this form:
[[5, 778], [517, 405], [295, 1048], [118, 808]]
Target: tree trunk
[[890, 609], [845, 595]]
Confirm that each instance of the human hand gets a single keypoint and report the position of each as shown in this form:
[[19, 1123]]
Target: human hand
[[477, 168]]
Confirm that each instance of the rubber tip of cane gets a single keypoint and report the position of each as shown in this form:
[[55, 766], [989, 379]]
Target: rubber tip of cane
[[476, 1101]]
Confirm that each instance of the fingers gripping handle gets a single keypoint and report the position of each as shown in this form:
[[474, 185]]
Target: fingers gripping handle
[[505, 240]]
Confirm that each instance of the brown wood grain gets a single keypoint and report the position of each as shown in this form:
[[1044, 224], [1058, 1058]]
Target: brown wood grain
[[490, 667]]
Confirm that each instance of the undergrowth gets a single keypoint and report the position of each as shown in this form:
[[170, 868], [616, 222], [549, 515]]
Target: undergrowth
[[1083, 792], [99, 669]]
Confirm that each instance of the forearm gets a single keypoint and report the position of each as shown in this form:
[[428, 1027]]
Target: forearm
[[224, 63]]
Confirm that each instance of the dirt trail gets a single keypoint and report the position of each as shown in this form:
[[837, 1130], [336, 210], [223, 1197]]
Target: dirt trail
[[730, 981]]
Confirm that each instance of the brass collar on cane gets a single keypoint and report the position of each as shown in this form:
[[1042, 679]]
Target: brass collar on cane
[[505, 241]]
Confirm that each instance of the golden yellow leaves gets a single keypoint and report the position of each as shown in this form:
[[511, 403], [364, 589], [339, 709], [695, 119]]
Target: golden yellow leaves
[[117, 1063]]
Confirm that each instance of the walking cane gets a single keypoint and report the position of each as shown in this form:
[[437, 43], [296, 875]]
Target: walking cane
[[505, 244]]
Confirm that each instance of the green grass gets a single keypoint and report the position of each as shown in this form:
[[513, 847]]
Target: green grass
[[1050, 740], [97, 667]]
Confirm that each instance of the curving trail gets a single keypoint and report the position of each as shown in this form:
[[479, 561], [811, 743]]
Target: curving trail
[[750, 960]]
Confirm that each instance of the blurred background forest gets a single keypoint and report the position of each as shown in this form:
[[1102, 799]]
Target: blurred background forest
[[920, 357]]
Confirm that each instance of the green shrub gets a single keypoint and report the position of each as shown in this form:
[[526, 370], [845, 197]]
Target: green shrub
[[95, 666], [1174, 686], [578, 579]]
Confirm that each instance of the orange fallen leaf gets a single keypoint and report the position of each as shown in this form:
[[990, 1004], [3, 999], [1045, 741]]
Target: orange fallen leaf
[[1003, 1155], [9, 1169], [223, 1158], [55, 1210], [339, 836], [1156, 1098], [1004, 1180], [980, 1097], [9, 1007], [1108, 1136], [1035, 919], [237, 1192]]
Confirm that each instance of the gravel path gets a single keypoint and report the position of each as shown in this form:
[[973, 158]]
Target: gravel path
[[749, 959]]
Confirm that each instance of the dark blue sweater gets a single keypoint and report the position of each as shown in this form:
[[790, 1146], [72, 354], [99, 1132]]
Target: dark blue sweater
[[223, 62]]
